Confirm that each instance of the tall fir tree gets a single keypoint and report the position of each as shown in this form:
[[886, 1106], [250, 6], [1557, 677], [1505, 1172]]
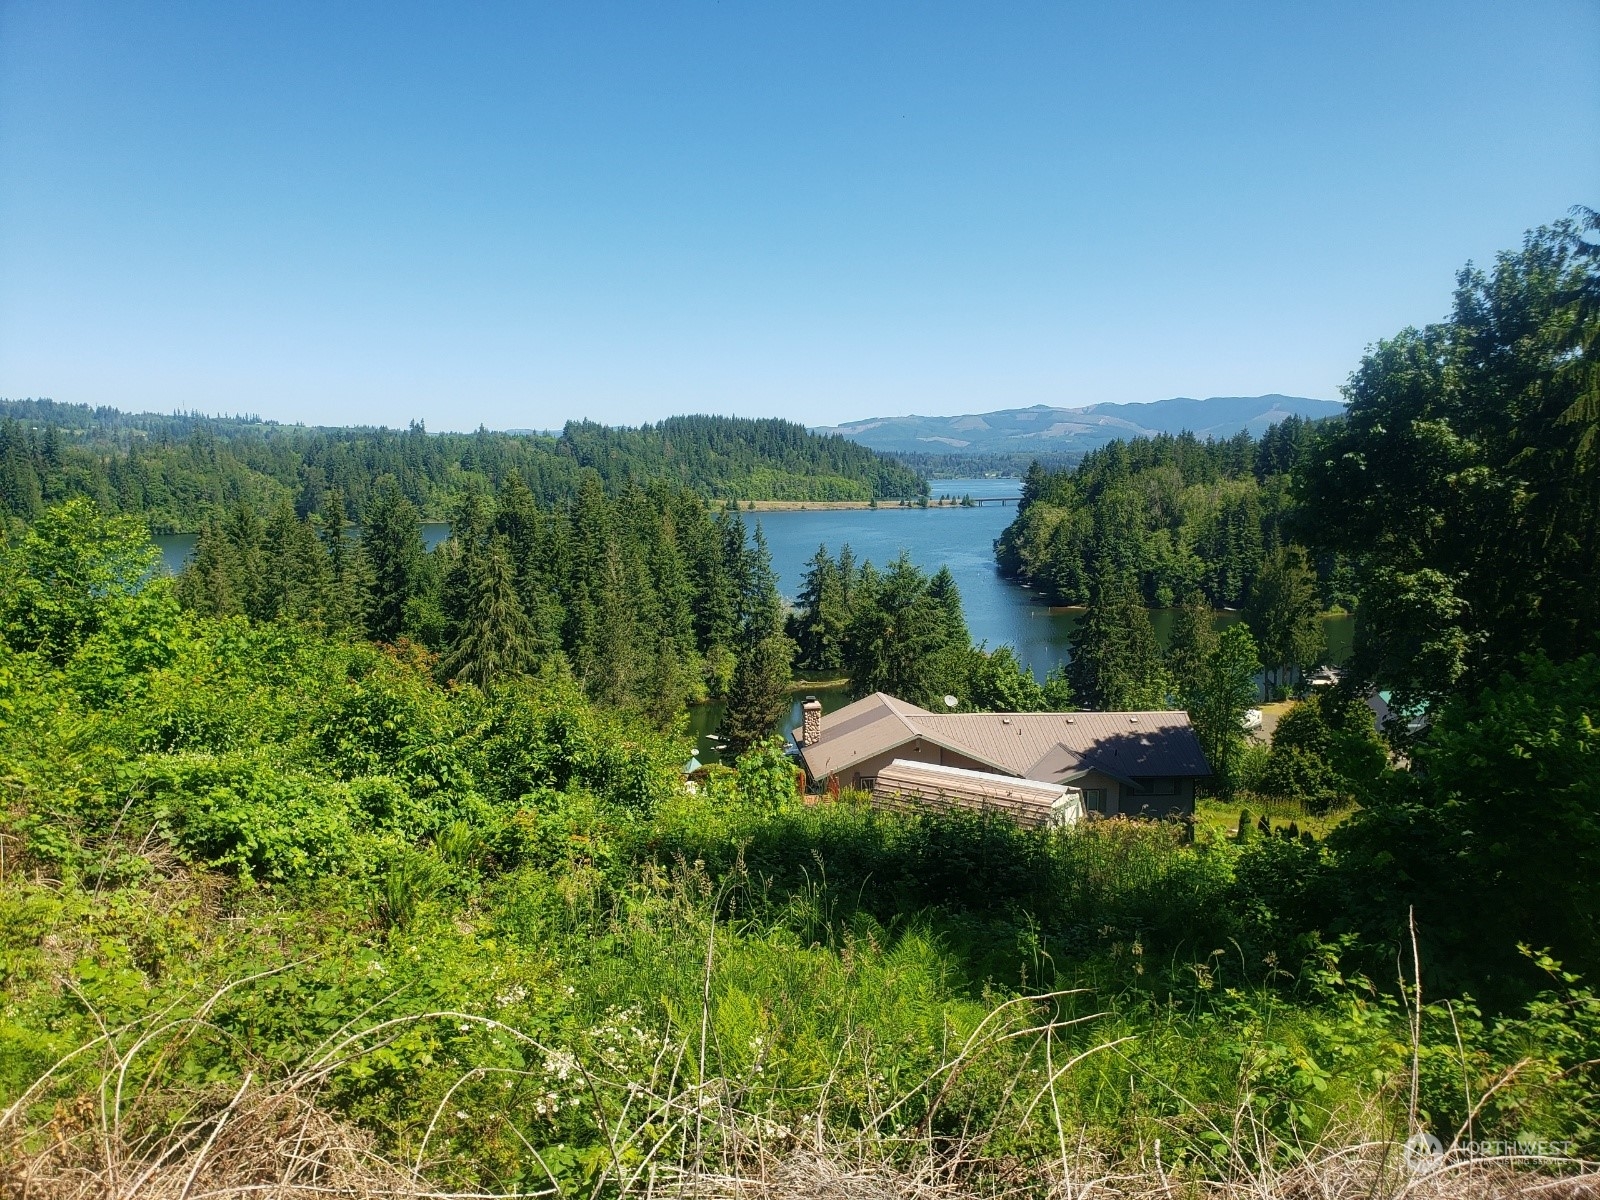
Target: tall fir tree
[[759, 694], [1116, 665], [492, 643], [391, 544], [1194, 637]]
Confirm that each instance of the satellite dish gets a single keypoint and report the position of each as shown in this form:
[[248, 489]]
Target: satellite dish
[[951, 702]]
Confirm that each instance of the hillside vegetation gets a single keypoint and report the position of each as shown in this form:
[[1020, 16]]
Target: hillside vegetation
[[178, 470], [333, 865], [487, 936]]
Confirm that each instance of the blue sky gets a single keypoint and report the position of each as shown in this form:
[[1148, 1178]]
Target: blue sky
[[515, 215]]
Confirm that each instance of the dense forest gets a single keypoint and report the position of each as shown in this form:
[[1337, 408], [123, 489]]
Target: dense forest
[[339, 862], [177, 471], [646, 596], [1174, 512]]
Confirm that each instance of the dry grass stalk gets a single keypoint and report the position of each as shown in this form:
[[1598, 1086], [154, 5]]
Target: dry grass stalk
[[108, 1124]]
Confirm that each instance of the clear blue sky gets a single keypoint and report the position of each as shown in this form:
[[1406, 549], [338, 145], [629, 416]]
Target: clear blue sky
[[517, 214]]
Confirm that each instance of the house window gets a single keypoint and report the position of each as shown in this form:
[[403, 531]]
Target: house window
[[1094, 799], [1166, 786]]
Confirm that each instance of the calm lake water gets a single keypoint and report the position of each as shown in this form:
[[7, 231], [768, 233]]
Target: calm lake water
[[998, 611]]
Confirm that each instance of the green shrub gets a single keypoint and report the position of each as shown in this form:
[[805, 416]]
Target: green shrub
[[243, 814]]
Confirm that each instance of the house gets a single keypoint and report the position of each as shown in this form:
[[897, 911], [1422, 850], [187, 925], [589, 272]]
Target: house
[[918, 787], [1124, 763]]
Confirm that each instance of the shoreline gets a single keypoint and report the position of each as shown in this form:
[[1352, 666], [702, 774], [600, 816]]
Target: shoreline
[[837, 505]]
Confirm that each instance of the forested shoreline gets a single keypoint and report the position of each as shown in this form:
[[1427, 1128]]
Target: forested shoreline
[[177, 471]]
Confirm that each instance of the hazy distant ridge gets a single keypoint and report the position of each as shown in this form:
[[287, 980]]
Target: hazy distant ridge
[[1056, 430]]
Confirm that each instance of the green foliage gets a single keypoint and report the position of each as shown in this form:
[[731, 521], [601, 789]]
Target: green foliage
[[906, 634], [76, 574], [179, 471], [1176, 513], [1218, 693], [245, 815], [767, 776], [1325, 753], [998, 682], [1463, 482], [1489, 835], [758, 696], [1283, 614], [494, 640], [1115, 664]]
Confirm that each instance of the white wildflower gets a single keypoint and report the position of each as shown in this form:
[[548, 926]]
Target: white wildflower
[[560, 1063]]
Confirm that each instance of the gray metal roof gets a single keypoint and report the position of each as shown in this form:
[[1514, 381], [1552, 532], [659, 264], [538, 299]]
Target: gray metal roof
[[916, 786], [1054, 747]]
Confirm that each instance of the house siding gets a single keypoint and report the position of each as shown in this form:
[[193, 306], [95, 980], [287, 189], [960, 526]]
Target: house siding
[[914, 749], [1121, 800], [1131, 803]]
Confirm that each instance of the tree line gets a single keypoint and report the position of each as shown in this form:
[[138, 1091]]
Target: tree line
[[1175, 513], [177, 471], [650, 598]]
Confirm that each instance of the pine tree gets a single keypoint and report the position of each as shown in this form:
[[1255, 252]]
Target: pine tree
[[344, 582], [247, 561], [492, 642], [760, 607], [819, 621], [208, 582], [898, 636], [1194, 638], [391, 544], [759, 694], [1115, 663], [297, 585]]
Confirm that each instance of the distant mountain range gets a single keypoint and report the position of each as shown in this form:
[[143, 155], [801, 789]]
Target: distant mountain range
[[1045, 430]]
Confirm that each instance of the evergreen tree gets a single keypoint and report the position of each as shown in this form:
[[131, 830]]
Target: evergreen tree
[[898, 640], [818, 623], [462, 562], [209, 582], [1193, 640], [298, 581], [492, 641], [391, 545], [760, 607], [758, 697], [248, 563], [1115, 663], [344, 575]]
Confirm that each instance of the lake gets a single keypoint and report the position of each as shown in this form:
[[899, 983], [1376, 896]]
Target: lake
[[999, 612]]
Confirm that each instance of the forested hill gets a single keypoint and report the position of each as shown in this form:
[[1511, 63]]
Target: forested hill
[[177, 469], [1177, 514]]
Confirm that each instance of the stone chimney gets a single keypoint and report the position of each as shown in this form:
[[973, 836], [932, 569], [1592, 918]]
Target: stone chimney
[[811, 721]]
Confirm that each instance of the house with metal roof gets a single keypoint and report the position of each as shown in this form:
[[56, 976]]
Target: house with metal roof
[[1123, 763]]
